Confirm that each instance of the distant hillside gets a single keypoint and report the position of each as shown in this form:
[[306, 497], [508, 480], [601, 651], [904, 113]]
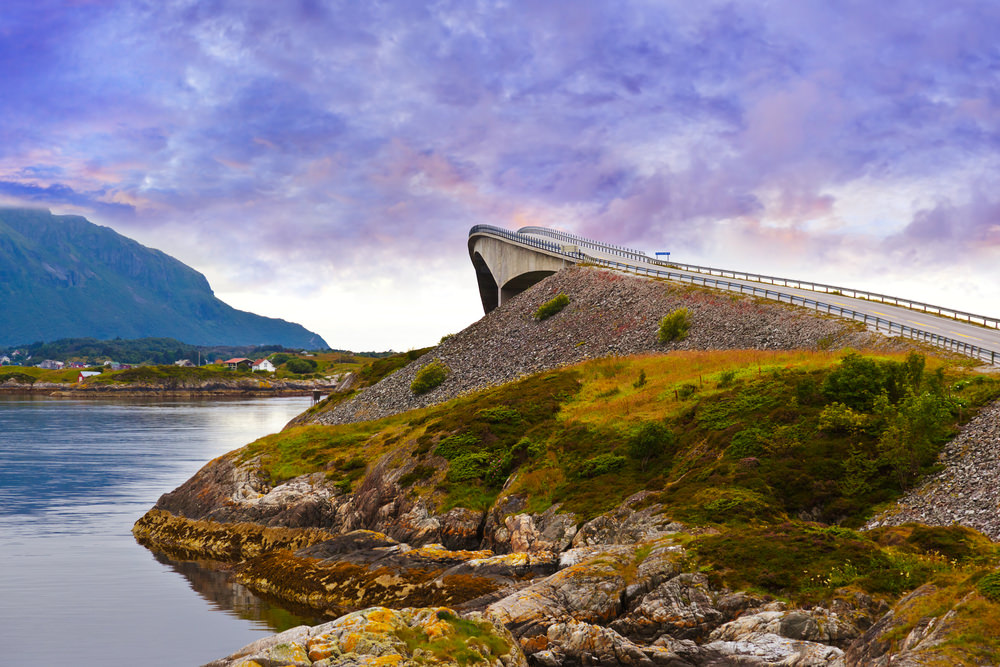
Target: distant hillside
[[63, 277]]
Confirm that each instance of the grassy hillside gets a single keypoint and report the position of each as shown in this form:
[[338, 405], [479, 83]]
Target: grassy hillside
[[720, 437]]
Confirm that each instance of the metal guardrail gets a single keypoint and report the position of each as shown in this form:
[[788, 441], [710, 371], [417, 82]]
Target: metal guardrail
[[621, 251], [517, 237], [981, 353], [972, 318]]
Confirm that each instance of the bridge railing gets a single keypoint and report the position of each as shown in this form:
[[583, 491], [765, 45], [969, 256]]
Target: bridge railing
[[973, 318], [525, 240], [880, 323], [620, 251]]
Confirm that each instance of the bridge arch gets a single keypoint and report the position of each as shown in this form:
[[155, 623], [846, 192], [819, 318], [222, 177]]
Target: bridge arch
[[505, 267]]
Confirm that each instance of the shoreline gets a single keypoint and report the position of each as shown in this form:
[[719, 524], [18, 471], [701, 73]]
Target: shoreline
[[145, 391]]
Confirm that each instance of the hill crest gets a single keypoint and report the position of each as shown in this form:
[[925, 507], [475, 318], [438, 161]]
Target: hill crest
[[66, 277]]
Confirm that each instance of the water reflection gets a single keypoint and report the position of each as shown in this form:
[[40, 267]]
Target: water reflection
[[214, 582], [75, 588]]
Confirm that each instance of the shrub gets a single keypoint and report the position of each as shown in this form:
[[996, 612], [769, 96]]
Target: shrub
[[856, 382], [551, 307], [456, 445], [726, 378], [651, 440], [750, 442], [300, 366], [686, 391], [989, 586], [468, 466], [602, 464], [501, 414], [675, 326], [428, 377], [641, 382]]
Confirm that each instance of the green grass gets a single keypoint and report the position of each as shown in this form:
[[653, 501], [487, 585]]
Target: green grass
[[746, 447]]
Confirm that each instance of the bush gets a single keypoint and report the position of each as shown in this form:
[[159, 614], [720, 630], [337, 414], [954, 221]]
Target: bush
[[551, 307], [468, 466], [675, 326], [651, 440], [501, 414], [300, 366], [600, 465], [429, 377], [455, 445], [989, 586]]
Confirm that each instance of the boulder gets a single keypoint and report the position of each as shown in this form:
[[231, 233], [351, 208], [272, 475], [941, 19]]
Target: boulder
[[814, 625], [683, 607], [626, 525], [770, 650], [385, 636], [576, 643]]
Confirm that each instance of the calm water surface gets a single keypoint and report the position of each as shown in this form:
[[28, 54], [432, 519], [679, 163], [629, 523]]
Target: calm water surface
[[75, 588]]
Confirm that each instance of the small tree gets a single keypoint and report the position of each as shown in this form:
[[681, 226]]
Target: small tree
[[428, 377], [652, 439], [675, 326]]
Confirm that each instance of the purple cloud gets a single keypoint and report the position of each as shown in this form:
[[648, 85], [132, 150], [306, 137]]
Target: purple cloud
[[348, 137]]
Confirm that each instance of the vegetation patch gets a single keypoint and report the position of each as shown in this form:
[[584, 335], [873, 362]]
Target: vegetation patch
[[675, 326], [551, 307], [809, 563], [429, 377], [466, 642]]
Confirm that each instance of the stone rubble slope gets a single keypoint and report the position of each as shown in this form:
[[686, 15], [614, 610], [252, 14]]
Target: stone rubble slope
[[610, 313], [967, 491]]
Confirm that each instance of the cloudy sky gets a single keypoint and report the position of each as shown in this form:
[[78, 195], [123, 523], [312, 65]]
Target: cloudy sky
[[322, 161]]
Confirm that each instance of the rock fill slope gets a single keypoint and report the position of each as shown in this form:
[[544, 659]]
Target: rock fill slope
[[65, 277], [609, 313]]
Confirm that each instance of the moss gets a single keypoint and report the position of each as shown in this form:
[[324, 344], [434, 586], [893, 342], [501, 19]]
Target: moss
[[467, 642]]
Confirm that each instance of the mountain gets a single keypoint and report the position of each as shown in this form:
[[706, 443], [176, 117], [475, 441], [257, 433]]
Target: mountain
[[63, 276]]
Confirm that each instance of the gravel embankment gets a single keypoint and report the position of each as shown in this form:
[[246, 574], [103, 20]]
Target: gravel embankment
[[967, 491], [609, 314]]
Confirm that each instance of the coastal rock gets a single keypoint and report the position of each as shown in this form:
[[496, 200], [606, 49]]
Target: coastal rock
[[365, 568], [875, 648], [815, 625], [683, 607], [770, 650], [380, 636], [576, 643], [626, 525], [591, 592]]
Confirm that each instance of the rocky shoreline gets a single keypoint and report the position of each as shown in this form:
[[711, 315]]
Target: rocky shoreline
[[403, 576]]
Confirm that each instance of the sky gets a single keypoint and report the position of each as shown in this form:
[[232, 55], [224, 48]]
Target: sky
[[323, 161]]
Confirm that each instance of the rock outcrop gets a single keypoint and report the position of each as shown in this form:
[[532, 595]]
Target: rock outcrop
[[380, 636]]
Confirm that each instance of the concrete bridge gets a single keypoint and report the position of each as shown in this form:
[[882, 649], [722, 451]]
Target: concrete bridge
[[508, 262]]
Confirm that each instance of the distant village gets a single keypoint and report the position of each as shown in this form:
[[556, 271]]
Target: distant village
[[22, 358]]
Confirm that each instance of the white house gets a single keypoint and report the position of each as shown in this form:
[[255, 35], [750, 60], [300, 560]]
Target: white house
[[51, 365], [263, 365]]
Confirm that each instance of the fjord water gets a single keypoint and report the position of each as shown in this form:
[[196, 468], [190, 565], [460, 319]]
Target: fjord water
[[75, 588]]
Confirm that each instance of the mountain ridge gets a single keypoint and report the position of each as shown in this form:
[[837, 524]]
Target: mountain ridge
[[65, 276]]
